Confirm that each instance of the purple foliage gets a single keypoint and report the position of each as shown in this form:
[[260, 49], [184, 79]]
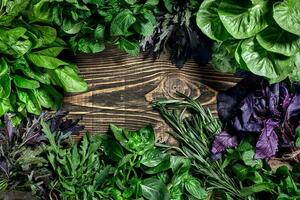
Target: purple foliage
[[267, 144], [271, 113], [222, 141]]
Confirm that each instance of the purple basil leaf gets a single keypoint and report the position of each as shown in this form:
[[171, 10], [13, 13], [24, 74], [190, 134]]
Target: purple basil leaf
[[267, 144], [294, 107], [228, 102], [223, 141], [285, 96]]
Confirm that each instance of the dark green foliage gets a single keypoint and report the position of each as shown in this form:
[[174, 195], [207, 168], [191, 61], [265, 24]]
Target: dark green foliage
[[89, 26]]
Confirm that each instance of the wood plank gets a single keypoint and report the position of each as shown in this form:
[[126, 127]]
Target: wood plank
[[121, 88]]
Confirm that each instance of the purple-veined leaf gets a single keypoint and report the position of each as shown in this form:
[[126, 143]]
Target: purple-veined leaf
[[267, 144], [223, 141]]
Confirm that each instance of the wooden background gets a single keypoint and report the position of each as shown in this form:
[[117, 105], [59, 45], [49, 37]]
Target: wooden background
[[121, 89]]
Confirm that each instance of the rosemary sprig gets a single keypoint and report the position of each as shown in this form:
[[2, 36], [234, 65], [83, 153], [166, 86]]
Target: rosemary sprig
[[194, 127]]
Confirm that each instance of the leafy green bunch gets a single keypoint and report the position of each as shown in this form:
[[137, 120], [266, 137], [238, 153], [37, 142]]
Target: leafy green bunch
[[194, 127], [126, 166], [23, 162], [29, 70], [88, 25], [258, 179], [261, 36], [143, 171]]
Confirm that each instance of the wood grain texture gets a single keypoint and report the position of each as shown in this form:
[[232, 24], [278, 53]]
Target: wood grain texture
[[121, 88]]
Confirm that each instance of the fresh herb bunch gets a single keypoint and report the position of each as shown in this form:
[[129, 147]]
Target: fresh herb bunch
[[271, 113], [176, 32], [23, 161], [143, 171], [258, 179], [29, 67], [256, 35], [194, 127], [89, 25], [126, 166]]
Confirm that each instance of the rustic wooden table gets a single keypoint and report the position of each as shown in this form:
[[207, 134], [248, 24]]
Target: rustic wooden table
[[121, 88]]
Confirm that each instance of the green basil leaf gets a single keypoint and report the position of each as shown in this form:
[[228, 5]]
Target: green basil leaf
[[295, 75], [39, 12], [162, 166], [248, 158], [264, 63], [44, 98], [99, 32], [154, 189], [193, 186], [121, 23], [244, 19], [22, 65], [30, 101], [5, 86], [71, 27], [4, 106], [55, 95], [152, 158], [287, 15], [90, 46], [113, 150], [43, 61], [51, 51], [67, 78], [145, 26], [3, 67], [24, 83], [209, 22], [132, 48], [277, 40], [45, 35], [11, 9]]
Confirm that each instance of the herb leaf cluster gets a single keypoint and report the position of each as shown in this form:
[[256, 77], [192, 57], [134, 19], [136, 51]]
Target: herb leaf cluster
[[262, 37]]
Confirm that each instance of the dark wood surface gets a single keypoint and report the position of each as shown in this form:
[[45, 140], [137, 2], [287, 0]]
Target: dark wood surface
[[121, 88]]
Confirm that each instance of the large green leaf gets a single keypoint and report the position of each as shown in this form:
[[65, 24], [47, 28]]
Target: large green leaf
[[287, 15], [44, 99], [22, 65], [277, 40], [45, 35], [121, 23], [132, 48], [5, 86], [21, 82], [209, 21], [154, 189], [193, 186], [11, 9], [264, 63], [295, 75], [30, 101], [4, 106], [3, 67], [45, 61], [67, 78], [243, 19]]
